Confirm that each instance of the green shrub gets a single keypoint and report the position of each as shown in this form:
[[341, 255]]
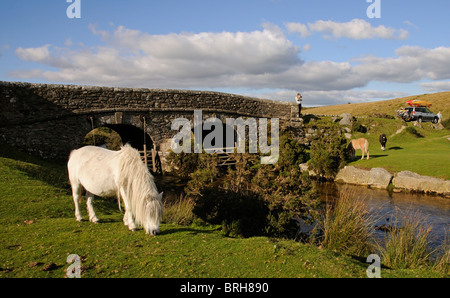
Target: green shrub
[[182, 164], [358, 127], [103, 135], [328, 153], [240, 214], [254, 199]]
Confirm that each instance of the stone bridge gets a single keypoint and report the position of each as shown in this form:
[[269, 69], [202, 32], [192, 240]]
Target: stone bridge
[[51, 120]]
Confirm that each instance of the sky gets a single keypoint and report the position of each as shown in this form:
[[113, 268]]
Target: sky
[[332, 51]]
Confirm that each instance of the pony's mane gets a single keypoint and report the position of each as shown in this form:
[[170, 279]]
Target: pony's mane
[[138, 184]]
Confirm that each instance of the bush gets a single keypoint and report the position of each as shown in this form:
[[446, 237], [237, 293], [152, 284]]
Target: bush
[[328, 153], [182, 164], [358, 127], [103, 136], [240, 214], [254, 199]]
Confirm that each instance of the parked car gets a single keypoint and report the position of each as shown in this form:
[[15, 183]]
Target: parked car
[[419, 114]]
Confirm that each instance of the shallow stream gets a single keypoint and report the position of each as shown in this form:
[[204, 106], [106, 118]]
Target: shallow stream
[[434, 210]]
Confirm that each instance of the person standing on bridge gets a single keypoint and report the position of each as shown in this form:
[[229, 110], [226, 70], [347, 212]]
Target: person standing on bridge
[[298, 99]]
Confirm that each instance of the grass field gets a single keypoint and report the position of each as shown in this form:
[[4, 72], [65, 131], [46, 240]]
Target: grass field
[[428, 154], [440, 102], [38, 231]]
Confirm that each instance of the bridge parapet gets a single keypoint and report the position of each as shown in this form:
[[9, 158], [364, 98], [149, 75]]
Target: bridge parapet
[[50, 120]]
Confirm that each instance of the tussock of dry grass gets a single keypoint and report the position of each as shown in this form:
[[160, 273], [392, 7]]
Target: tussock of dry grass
[[407, 243], [179, 212], [349, 225]]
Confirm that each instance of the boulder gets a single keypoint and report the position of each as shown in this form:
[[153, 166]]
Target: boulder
[[376, 177], [346, 120], [379, 178], [353, 175], [415, 182]]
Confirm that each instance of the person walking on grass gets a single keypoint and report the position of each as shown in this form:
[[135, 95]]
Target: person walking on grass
[[298, 99]]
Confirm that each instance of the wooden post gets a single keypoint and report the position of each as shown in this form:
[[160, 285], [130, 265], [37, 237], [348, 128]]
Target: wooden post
[[145, 155], [154, 158], [145, 143]]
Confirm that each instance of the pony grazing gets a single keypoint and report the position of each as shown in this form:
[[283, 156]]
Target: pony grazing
[[383, 141], [359, 144], [107, 173]]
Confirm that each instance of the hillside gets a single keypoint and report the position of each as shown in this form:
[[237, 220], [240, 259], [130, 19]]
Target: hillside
[[440, 102]]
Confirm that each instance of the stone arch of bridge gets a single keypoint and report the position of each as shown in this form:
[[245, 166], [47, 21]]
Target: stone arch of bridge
[[132, 130]]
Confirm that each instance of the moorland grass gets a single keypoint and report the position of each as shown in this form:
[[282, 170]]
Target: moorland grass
[[439, 102], [426, 155], [38, 232]]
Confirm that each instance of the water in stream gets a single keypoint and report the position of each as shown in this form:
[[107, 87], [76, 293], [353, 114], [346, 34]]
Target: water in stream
[[435, 210]]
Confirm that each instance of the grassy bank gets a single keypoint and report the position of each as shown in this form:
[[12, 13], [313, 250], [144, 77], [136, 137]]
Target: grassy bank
[[38, 231], [439, 103], [424, 150]]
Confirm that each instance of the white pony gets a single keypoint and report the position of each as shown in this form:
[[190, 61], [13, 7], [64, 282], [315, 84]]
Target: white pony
[[107, 173]]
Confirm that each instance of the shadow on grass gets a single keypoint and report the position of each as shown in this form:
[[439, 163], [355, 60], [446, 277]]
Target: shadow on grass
[[371, 157], [52, 173], [190, 230], [395, 148]]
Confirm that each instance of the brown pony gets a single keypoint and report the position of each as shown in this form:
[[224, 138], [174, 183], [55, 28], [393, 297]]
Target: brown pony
[[361, 144]]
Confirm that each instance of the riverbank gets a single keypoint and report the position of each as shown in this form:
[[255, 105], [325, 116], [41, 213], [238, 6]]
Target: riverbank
[[401, 181], [414, 159]]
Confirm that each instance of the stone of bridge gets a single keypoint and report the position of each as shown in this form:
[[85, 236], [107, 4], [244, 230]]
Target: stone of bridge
[[51, 120]]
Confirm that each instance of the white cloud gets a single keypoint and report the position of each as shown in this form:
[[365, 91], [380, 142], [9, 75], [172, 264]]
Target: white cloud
[[335, 97], [134, 58], [355, 29], [262, 59], [298, 28], [68, 42], [39, 54], [412, 64], [43, 55], [436, 86], [411, 24], [307, 47]]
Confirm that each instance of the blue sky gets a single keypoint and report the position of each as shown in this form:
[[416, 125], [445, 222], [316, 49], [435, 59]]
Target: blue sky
[[330, 50]]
